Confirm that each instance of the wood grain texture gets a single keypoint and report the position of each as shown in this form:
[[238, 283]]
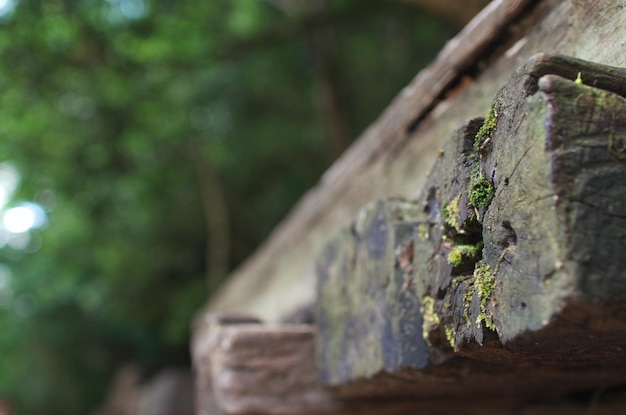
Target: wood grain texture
[[243, 367], [259, 369], [507, 266]]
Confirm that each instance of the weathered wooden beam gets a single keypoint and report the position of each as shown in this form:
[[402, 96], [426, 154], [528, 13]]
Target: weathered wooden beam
[[269, 370], [284, 264], [243, 367], [392, 158], [484, 293], [507, 273]]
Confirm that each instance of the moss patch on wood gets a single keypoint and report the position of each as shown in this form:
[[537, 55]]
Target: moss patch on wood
[[481, 191], [484, 282], [451, 336], [486, 131], [450, 213], [431, 319], [461, 253], [423, 231]]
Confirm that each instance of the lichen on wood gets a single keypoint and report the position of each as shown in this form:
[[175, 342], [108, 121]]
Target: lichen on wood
[[501, 241]]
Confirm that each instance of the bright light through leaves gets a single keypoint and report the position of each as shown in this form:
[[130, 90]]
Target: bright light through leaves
[[6, 8], [23, 218]]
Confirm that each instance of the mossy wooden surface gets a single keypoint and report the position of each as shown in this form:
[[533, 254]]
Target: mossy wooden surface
[[396, 292], [394, 155]]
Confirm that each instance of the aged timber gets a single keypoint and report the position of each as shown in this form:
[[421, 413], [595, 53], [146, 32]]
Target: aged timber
[[507, 275], [393, 158], [285, 264], [250, 368]]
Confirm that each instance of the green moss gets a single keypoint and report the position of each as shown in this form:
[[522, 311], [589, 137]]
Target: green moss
[[461, 253], [488, 128], [451, 336], [423, 231], [484, 283], [488, 321], [450, 213], [481, 191], [431, 318], [579, 79]]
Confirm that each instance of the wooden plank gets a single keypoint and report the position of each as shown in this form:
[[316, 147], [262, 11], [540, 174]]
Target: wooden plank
[[395, 159], [251, 369], [283, 265], [279, 278], [506, 274], [408, 319], [243, 367], [255, 380]]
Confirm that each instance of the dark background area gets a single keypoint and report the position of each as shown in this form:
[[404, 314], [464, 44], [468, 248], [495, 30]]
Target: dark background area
[[155, 145]]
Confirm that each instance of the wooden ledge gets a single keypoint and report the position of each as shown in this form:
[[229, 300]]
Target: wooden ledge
[[507, 273], [501, 284], [243, 367], [553, 322], [284, 265], [268, 370]]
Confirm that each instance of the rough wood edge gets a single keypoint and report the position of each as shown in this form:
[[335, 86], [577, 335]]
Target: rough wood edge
[[240, 362], [243, 367]]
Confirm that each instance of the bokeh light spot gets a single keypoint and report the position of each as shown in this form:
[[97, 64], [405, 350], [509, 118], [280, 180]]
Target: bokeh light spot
[[23, 218]]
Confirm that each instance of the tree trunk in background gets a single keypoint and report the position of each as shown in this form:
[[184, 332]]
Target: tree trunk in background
[[330, 105], [215, 215]]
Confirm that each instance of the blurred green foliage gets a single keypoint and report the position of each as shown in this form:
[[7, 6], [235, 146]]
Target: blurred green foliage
[[112, 110]]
